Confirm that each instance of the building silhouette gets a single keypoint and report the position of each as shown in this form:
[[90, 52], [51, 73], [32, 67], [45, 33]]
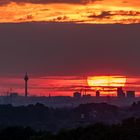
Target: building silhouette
[[77, 95], [97, 93], [130, 94], [120, 93]]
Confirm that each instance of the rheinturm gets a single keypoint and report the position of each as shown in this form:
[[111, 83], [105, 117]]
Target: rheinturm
[[26, 78]]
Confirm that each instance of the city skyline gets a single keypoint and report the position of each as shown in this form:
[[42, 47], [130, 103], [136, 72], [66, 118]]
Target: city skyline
[[67, 85]]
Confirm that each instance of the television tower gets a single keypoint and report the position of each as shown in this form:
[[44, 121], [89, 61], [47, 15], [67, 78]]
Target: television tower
[[26, 78]]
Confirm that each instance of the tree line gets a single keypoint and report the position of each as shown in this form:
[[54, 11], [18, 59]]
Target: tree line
[[128, 129]]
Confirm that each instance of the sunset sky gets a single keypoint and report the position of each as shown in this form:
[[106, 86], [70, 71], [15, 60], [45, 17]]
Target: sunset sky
[[62, 42], [77, 11]]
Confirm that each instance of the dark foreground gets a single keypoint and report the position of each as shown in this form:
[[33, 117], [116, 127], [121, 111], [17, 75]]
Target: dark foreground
[[40, 117], [38, 122], [127, 130]]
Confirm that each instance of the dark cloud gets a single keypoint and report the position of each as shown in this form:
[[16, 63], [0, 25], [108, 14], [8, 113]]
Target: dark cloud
[[103, 14], [4, 2], [27, 17], [126, 13], [109, 14], [60, 18], [69, 49]]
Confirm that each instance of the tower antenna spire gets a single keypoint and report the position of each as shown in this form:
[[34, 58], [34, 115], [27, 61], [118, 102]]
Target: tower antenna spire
[[26, 78]]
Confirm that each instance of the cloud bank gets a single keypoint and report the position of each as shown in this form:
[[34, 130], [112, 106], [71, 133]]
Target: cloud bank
[[4, 2]]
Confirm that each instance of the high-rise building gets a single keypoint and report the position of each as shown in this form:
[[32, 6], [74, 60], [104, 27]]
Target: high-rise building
[[120, 92], [130, 94], [97, 93]]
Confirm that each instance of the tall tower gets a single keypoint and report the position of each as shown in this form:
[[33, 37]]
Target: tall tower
[[26, 78]]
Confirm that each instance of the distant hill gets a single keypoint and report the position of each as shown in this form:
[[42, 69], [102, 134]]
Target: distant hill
[[41, 117]]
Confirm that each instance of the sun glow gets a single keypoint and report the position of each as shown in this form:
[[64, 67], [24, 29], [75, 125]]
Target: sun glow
[[100, 82]]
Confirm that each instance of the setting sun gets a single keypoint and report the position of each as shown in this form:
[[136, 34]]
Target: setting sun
[[97, 82]]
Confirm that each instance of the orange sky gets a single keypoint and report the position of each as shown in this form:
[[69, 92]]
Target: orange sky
[[77, 11]]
